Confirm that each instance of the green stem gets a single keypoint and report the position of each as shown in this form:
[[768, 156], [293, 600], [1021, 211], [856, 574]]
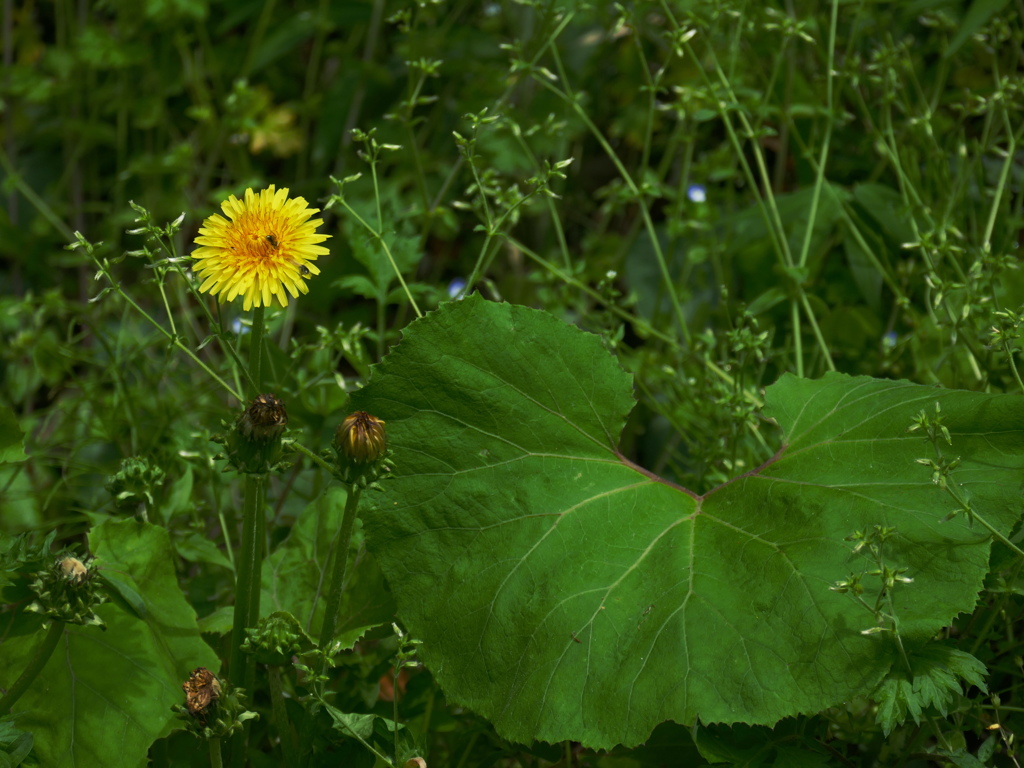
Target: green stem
[[572, 101], [369, 747], [1013, 365], [255, 348], [466, 752], [999, 535], [300, 448], [284, 729], [172, 338], [215, 759], [15, 179], [341, 547], [387, 252], [1004, 174], [35, 666], [396, 671], [247, 563], [242, 667], [823, 158], [259, 541]]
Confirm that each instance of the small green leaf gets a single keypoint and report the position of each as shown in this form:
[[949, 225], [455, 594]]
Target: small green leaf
[[742, 746], [12, 439], [219, 622], [352, 724], [961, 758], [770, 298], [935, 680], [886, 207], [179, 496], [196, 548], [15, 744]]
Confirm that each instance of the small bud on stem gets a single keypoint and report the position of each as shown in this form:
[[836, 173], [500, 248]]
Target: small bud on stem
[[254, 445], [361, 438], [264, 420]]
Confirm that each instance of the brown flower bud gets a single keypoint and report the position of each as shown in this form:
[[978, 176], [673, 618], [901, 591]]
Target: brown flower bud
[[264, 420], [361, 438], [201, 689]]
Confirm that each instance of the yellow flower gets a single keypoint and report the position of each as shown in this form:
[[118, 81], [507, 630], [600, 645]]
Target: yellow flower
[[268, 246]]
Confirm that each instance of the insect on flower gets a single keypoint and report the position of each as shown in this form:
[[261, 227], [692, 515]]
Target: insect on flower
[[303, 269]]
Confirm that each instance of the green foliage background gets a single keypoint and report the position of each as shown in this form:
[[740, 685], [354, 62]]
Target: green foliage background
[[722, 193]]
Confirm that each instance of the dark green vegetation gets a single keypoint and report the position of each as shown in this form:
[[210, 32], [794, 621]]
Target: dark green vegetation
[[789, 234]]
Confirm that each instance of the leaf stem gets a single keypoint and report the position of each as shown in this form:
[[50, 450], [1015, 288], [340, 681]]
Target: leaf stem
[[35, 665], [997, 534], [1013, 364], [300, 448], [216, 761]]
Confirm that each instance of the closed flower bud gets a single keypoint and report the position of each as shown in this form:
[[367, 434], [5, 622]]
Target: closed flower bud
[[74, 570], [361, 438], [276, 639], [264, 420], [66, 591], [254, 445]]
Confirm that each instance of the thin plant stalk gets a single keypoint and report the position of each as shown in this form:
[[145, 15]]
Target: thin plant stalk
[[288, 747], [259, 539], [337, 585], [394, 709], [249, 562]]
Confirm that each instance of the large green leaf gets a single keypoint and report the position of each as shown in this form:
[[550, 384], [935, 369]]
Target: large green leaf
[[565, 593], [104, 697]]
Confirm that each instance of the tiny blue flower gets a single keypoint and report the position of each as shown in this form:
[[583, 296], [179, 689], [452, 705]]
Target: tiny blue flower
[[696, 193], [889, 340], [239, 328], [456, 288]]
